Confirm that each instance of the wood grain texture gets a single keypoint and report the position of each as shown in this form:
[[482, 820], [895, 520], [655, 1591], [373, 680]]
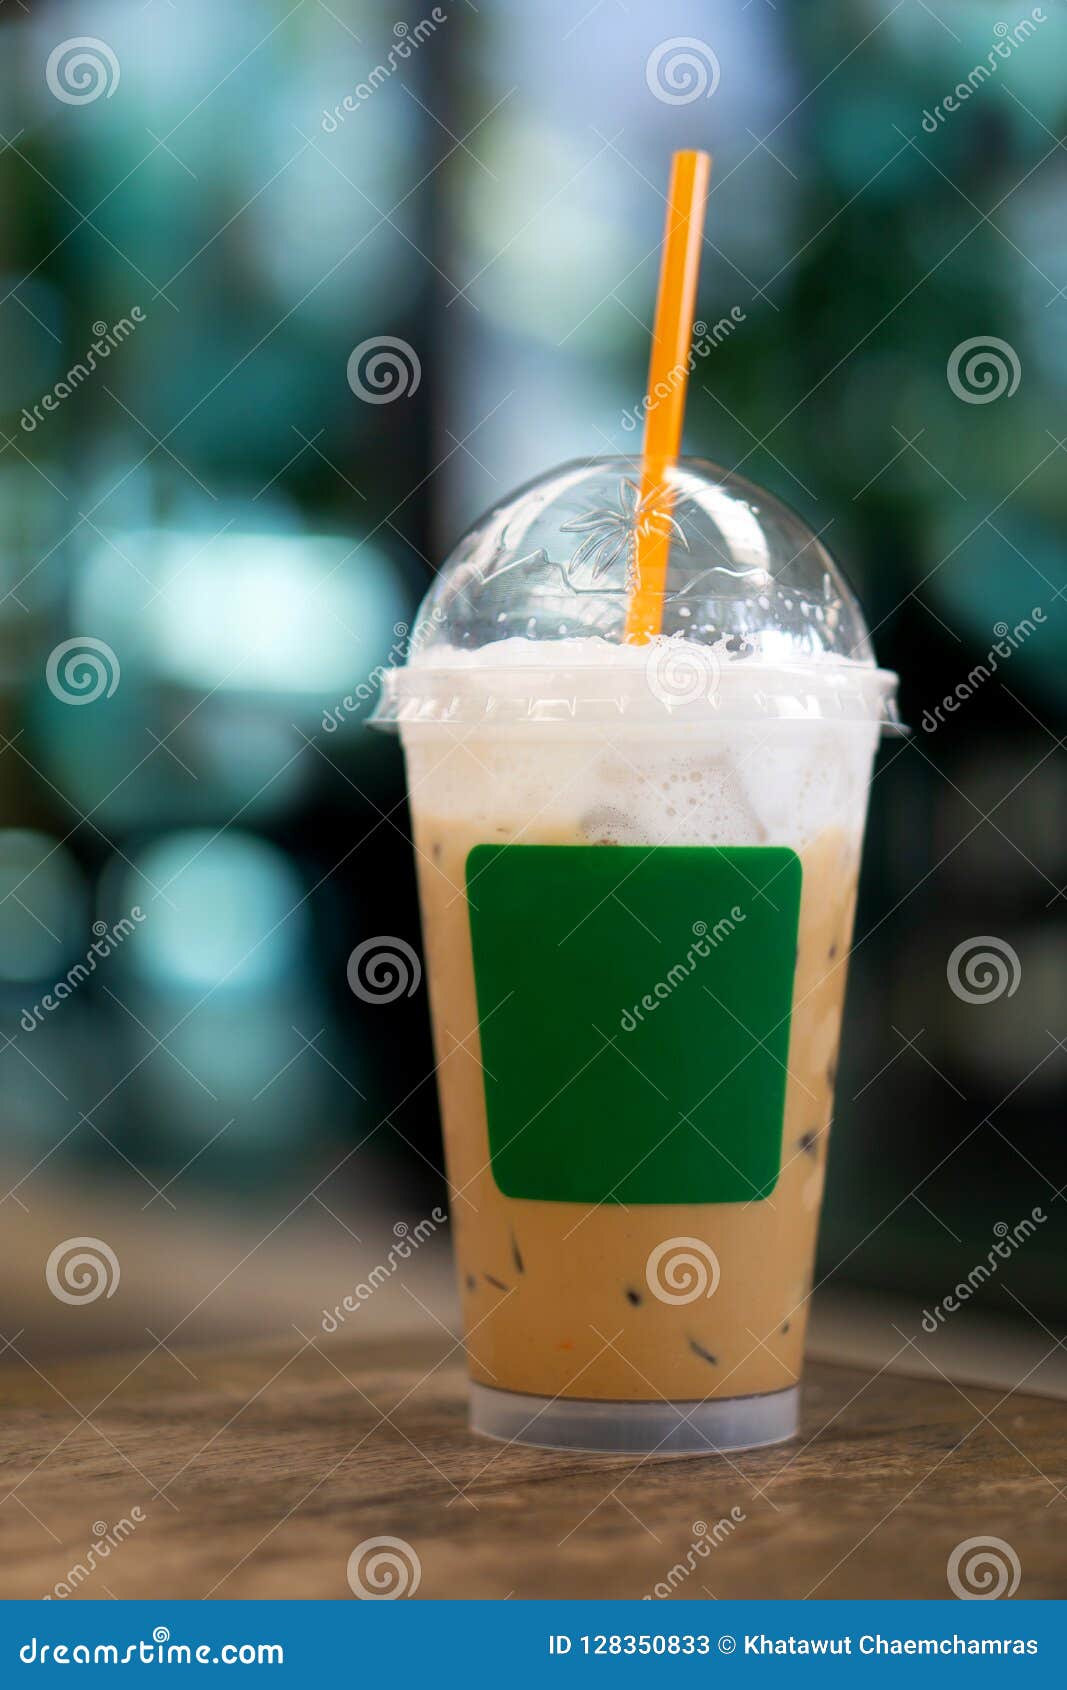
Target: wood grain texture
[[261, 1469]]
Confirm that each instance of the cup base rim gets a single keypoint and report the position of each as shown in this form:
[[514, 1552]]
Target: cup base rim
[[713, 1426]]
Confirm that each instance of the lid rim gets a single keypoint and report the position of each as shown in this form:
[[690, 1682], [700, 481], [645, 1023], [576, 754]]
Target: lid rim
[[443, 696]]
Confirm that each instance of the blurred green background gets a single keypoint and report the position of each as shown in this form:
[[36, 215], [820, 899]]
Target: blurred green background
[[249, 538]]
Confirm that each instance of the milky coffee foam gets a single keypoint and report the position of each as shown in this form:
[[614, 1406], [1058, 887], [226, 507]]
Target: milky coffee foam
[[679, 772]]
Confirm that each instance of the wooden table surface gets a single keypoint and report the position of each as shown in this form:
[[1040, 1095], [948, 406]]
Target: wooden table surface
[[258, 1471]]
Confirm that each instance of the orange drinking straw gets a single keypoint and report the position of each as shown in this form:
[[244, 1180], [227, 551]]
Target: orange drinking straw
[[668, 379]]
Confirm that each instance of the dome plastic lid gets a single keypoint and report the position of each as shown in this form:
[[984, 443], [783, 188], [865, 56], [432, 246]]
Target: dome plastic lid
[[527, 619]]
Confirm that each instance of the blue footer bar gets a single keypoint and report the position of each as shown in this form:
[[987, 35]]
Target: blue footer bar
[[537, 1643]]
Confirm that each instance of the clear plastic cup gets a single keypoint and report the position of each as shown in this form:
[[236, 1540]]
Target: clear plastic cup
[[637, 869]]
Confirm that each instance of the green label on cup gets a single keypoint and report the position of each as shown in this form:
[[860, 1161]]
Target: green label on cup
[[634, 1009]]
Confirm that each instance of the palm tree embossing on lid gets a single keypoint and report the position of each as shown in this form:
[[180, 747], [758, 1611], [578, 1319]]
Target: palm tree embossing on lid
[[612, 531]]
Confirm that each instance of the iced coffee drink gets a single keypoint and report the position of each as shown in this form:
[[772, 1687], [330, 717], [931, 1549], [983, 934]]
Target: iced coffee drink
[[637, 870]]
